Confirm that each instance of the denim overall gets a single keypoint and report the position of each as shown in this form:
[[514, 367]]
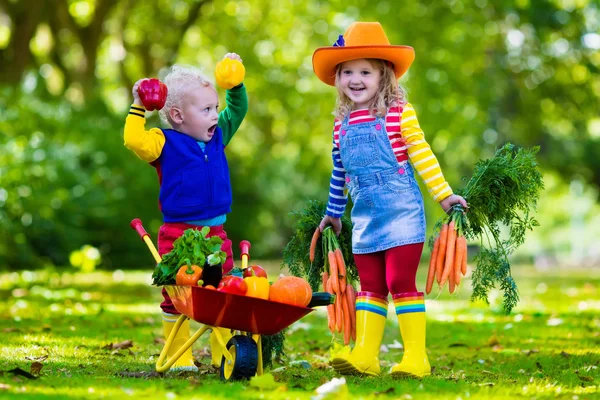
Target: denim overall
[[388, 205]]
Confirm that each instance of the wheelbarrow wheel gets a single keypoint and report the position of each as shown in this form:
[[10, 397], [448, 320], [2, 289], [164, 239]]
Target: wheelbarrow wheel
[[244, 363]]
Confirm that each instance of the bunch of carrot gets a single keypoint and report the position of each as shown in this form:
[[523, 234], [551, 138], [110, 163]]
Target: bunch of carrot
[[449, 254], [341, 316]]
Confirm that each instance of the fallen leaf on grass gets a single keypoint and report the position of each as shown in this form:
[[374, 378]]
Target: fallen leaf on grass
[[4, 386], [586, 378], [386, 391], [530, 352], [489, 384], [554, 322], [537, 364], [334, 389], [36, 367], [264, 382], [564, 354], [204, 352], [38, 359], [142, 374], [458, 344], [493, 341], [19, 372], [396, 345], [9, 330], [123, 345]]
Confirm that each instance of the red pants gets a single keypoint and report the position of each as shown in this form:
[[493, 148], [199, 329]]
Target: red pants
[[171, 231], [393, 270]]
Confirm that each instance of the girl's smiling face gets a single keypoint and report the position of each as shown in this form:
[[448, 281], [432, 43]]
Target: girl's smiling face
[[359, 80]]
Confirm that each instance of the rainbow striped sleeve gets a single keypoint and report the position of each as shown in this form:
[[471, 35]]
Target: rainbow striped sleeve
[[338, 197], [371, 302], [409, 303], [422, 157]]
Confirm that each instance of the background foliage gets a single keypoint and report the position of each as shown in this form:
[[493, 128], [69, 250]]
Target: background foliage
[[486, 72]]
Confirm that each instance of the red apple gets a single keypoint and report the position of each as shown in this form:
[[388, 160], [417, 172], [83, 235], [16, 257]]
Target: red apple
[[257, 269]]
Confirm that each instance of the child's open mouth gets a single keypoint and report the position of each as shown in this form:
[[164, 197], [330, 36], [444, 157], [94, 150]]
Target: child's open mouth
[[212, 129], [357, 90]]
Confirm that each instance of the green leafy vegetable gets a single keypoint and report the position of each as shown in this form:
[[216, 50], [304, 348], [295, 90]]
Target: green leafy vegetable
[[195, 246], [296, 252], [503, 191]]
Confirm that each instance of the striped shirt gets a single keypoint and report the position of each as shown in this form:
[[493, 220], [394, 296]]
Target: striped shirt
[[408, 142]]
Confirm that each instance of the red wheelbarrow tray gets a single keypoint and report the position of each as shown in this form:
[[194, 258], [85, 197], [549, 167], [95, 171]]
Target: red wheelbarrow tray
[[233, 311]]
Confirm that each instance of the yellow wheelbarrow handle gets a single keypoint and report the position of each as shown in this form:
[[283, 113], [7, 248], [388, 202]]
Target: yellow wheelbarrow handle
[[136, 225]]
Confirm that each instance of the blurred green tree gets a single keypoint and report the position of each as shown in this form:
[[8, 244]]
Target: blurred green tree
[[485, 73]]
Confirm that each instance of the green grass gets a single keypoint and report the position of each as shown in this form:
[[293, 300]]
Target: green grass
[[549, 347]]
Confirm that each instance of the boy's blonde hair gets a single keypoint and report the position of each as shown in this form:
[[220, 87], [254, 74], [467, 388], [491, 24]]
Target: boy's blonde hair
[[180, 80], [390, 92]]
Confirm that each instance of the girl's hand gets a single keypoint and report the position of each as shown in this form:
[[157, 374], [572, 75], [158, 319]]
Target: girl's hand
[[134, 92], [451, 200], [336, 224], [233, 56]]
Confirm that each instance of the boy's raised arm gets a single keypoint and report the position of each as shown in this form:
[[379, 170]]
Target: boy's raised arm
[[232, 116], [147, 145]]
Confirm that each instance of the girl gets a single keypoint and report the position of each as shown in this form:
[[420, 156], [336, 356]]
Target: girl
[[375, 135]]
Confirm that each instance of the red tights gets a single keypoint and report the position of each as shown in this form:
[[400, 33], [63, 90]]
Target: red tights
[[393, 270]]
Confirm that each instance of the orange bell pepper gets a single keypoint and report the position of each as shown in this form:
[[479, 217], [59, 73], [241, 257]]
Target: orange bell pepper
[[188, 275]]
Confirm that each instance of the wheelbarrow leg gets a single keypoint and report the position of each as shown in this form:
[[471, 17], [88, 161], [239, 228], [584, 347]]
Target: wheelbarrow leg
[[160, 367], [219, 337], [259, 368]]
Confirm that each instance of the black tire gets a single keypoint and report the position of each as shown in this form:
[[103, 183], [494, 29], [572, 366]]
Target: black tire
[[245, 359]]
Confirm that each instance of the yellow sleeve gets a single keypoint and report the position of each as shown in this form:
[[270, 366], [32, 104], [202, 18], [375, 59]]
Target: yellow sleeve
[[147, 145], [422, 157]]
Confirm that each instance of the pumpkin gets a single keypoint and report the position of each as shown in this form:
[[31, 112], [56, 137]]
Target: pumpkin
[[291, 290], [229, 73]]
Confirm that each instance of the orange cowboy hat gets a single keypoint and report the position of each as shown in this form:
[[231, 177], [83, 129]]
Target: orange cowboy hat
[[361, 40]]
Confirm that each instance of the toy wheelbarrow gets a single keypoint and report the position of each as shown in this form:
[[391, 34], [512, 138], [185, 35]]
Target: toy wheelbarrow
[[249, 317]]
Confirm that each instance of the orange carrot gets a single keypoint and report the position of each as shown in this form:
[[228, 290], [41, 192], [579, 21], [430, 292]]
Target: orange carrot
[[333, 272], [439, 263], [339, 258], [432, 263], [451, 282], [313, 244], [463, 267], [347, 320], [325, 279], [450, 246], [330, 310], [351, 300], [339, 312], [458, 257]]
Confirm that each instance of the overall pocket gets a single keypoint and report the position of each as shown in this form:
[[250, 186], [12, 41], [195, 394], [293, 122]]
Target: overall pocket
[[360, 150], [399, 183]]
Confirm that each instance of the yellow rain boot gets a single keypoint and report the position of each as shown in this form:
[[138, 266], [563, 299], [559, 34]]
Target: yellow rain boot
[[186, 361], [410, 309], [215, 348], [371, 313]]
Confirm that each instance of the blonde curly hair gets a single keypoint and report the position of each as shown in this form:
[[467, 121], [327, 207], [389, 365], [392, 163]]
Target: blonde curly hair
[[181, 79], [390, 92]]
